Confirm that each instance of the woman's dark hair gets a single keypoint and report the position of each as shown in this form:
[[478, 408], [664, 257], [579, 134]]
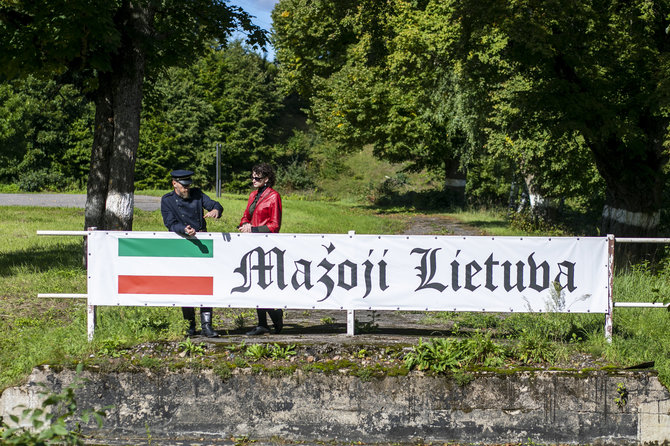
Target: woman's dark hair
[[266, 171]]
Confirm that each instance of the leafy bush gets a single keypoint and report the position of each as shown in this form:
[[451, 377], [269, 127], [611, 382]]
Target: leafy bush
[[114, 348], [529, 222], [191, 349], [275, 351], [295, 176], [279, 352], [257, 351], [43, 179], [535, 347]]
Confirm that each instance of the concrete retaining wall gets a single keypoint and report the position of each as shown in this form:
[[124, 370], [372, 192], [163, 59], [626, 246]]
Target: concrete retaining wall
[[543, 407]]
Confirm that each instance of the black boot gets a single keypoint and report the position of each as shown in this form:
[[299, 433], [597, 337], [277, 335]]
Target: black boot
[[262, 327], [189, 315], [206, 324], [277, 317]]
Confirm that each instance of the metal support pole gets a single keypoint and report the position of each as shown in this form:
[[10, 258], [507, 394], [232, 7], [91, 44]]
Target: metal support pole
[[91, 321], [610, 285], [351, 325], [218, 169], [351, 320]]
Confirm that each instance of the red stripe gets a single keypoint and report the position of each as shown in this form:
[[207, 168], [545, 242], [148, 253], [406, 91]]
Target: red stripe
[[166, 285]]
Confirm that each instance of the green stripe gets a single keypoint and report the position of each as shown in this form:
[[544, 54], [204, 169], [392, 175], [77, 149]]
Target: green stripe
[[156, 247]]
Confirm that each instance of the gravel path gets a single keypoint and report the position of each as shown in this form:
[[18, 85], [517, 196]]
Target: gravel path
[[144, 202]]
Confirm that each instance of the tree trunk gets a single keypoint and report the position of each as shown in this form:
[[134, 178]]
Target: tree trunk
[[103, 138], [110, 192], [633, 201], [454, 183], [126, 105], [540, 206]]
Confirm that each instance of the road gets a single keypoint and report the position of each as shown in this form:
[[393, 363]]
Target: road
[[144, 202]]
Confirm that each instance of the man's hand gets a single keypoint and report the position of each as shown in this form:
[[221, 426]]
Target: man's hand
[[214, 213], [189, 230], [245, 227]]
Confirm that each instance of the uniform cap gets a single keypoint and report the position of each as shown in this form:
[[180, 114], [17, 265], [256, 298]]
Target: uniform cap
[[182, 176]]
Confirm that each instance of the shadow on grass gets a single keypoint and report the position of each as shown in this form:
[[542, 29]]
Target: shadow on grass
[[339, 328], [578, 222], [40, 259], [487, 223], [424, 201]]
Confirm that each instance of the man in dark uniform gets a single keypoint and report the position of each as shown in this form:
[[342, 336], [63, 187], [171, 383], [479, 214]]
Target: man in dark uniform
[[182, 211]]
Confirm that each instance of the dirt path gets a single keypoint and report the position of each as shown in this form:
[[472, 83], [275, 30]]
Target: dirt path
[[439, 225]]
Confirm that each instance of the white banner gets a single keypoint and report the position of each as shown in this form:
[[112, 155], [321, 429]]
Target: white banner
[[332, 271]]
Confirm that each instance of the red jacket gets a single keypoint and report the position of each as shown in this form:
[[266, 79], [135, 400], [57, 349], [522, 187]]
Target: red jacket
[[267, 213]]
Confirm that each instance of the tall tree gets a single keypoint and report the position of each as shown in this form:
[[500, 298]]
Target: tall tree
[[109, 47], [378, 86], [595, 72], [228, 96], [557, 86], [240, 86]]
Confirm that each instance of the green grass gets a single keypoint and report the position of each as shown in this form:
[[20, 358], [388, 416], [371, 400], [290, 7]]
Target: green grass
[[495, 222], [642, 334], [299, 216], [38, 331], [54, 330]]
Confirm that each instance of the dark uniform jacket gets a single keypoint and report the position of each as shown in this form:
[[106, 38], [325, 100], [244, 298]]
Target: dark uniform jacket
[[179, 213]]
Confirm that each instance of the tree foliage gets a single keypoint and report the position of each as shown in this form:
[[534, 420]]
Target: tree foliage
[[241, 87], [227, 97], [555, 89], [381, 90], [565, 76], [45, 134], [109, 48]]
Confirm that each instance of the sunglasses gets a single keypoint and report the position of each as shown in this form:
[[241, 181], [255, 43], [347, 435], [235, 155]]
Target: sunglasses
[[256, 178]]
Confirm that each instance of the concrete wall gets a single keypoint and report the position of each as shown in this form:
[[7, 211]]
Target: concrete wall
[[543, 407]]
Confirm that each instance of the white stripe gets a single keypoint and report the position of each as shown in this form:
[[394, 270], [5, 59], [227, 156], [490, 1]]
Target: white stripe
[[637, 219], [536, 200], [120, 205], [453, 182]]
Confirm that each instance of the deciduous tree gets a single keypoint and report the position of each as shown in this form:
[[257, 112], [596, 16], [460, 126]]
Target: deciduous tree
[[593, 72], [109, 47]]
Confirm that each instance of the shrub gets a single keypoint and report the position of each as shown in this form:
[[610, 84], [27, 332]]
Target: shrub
[[39, 180], [295, 176]]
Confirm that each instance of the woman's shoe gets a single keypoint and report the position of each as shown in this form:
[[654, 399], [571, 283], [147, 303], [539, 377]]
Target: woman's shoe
[[259, 330]]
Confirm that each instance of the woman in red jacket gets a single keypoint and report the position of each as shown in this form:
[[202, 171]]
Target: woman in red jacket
[[263, 214]]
